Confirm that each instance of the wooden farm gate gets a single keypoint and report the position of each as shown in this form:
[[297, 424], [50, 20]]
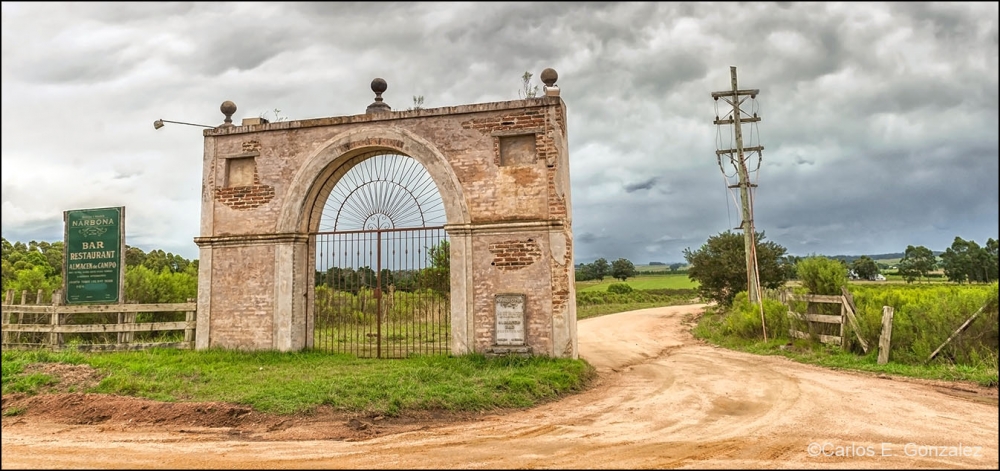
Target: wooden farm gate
[[818, 325]]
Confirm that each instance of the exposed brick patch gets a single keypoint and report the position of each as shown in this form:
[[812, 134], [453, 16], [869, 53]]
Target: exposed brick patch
[[514, 254], [242, 198], [506, 122]]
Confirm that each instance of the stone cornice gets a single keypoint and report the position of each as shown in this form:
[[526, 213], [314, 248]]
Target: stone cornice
[[251, 239], [541, 102]]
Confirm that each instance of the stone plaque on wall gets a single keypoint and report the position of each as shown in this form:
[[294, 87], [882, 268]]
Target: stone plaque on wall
[[510, 319]]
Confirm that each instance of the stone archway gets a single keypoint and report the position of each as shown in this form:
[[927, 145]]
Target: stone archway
[[335, 158], [501, 169]]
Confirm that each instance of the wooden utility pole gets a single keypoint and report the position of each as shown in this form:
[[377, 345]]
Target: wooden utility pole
[[739, 160]]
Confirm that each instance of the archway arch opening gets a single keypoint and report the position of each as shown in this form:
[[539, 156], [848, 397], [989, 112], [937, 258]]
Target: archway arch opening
[[380, 277]]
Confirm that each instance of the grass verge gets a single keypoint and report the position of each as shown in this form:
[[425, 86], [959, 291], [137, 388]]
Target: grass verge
[[710, 325], [288, 383], [643, 282]]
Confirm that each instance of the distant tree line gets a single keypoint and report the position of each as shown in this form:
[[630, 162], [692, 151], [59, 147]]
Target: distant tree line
[[719, 266], [153, 277], [435, 277], [621, 269]]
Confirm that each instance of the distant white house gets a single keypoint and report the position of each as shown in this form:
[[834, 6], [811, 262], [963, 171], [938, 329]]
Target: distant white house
[[854, 276]]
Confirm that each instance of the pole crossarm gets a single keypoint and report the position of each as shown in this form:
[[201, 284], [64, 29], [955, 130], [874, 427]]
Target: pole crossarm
[[721, 122], [731, 93], [734, 151]]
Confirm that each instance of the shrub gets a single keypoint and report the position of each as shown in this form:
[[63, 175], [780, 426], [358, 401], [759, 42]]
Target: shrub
[[821, 275], [743, 318], [619, 288]]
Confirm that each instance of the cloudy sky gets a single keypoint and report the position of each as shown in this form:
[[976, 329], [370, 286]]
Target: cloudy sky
[[879, 120]]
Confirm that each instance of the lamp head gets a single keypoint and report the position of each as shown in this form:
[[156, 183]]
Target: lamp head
[[158, 124]]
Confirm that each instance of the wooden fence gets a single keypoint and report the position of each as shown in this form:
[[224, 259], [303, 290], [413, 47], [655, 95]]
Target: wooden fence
[[96, 327], [848, 311]]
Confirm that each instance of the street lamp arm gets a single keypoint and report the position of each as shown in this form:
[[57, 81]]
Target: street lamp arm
[[159, 124]]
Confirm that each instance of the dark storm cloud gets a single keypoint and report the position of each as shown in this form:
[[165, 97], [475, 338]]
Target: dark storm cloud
[[643, 185], [878, 119]]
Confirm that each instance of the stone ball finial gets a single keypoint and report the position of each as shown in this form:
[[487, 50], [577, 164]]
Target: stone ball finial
[[379, 86], [549, 76], [228, 108]]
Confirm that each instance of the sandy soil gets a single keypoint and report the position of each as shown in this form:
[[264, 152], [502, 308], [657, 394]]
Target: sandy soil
[[662, 400]]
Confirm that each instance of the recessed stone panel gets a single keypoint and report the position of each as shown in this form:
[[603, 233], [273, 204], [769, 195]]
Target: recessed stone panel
[[240, 172], [517, 150]]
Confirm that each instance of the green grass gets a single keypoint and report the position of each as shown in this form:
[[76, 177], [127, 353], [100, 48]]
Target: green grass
[[287, 383], [644, 282], [709, 326]]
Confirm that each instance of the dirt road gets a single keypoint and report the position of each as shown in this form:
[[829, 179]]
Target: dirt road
[[663, 400]]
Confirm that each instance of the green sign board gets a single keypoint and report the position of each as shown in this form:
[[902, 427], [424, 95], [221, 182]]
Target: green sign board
[[95, 257]]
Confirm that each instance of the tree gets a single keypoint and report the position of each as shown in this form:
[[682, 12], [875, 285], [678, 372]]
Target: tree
[[865, 268], [437, 277], [991, 260], [621, 269], [600, 269], [676, 266], [965, 261], [916, 263], [720, 269], [584, 272], [958, 260], [527, 90]]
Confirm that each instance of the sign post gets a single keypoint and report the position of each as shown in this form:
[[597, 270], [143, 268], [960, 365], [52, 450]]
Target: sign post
[[94, 264]]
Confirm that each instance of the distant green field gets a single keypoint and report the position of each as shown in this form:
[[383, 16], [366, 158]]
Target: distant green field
[[652, 268], [665, 281]]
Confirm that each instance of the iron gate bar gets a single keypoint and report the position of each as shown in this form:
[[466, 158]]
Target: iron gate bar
[[378, 294], [369, 231], [417, 324]]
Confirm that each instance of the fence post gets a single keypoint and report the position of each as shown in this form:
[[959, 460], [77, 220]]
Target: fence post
[[9, 300], [130, 319], [843, 311], [188, 330], [884, 339], [121, 335], [55, 338], [5, 318], [39, 296], [24, 297]]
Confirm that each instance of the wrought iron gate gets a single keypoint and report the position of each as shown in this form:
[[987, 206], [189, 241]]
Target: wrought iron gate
[[382, 279]]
